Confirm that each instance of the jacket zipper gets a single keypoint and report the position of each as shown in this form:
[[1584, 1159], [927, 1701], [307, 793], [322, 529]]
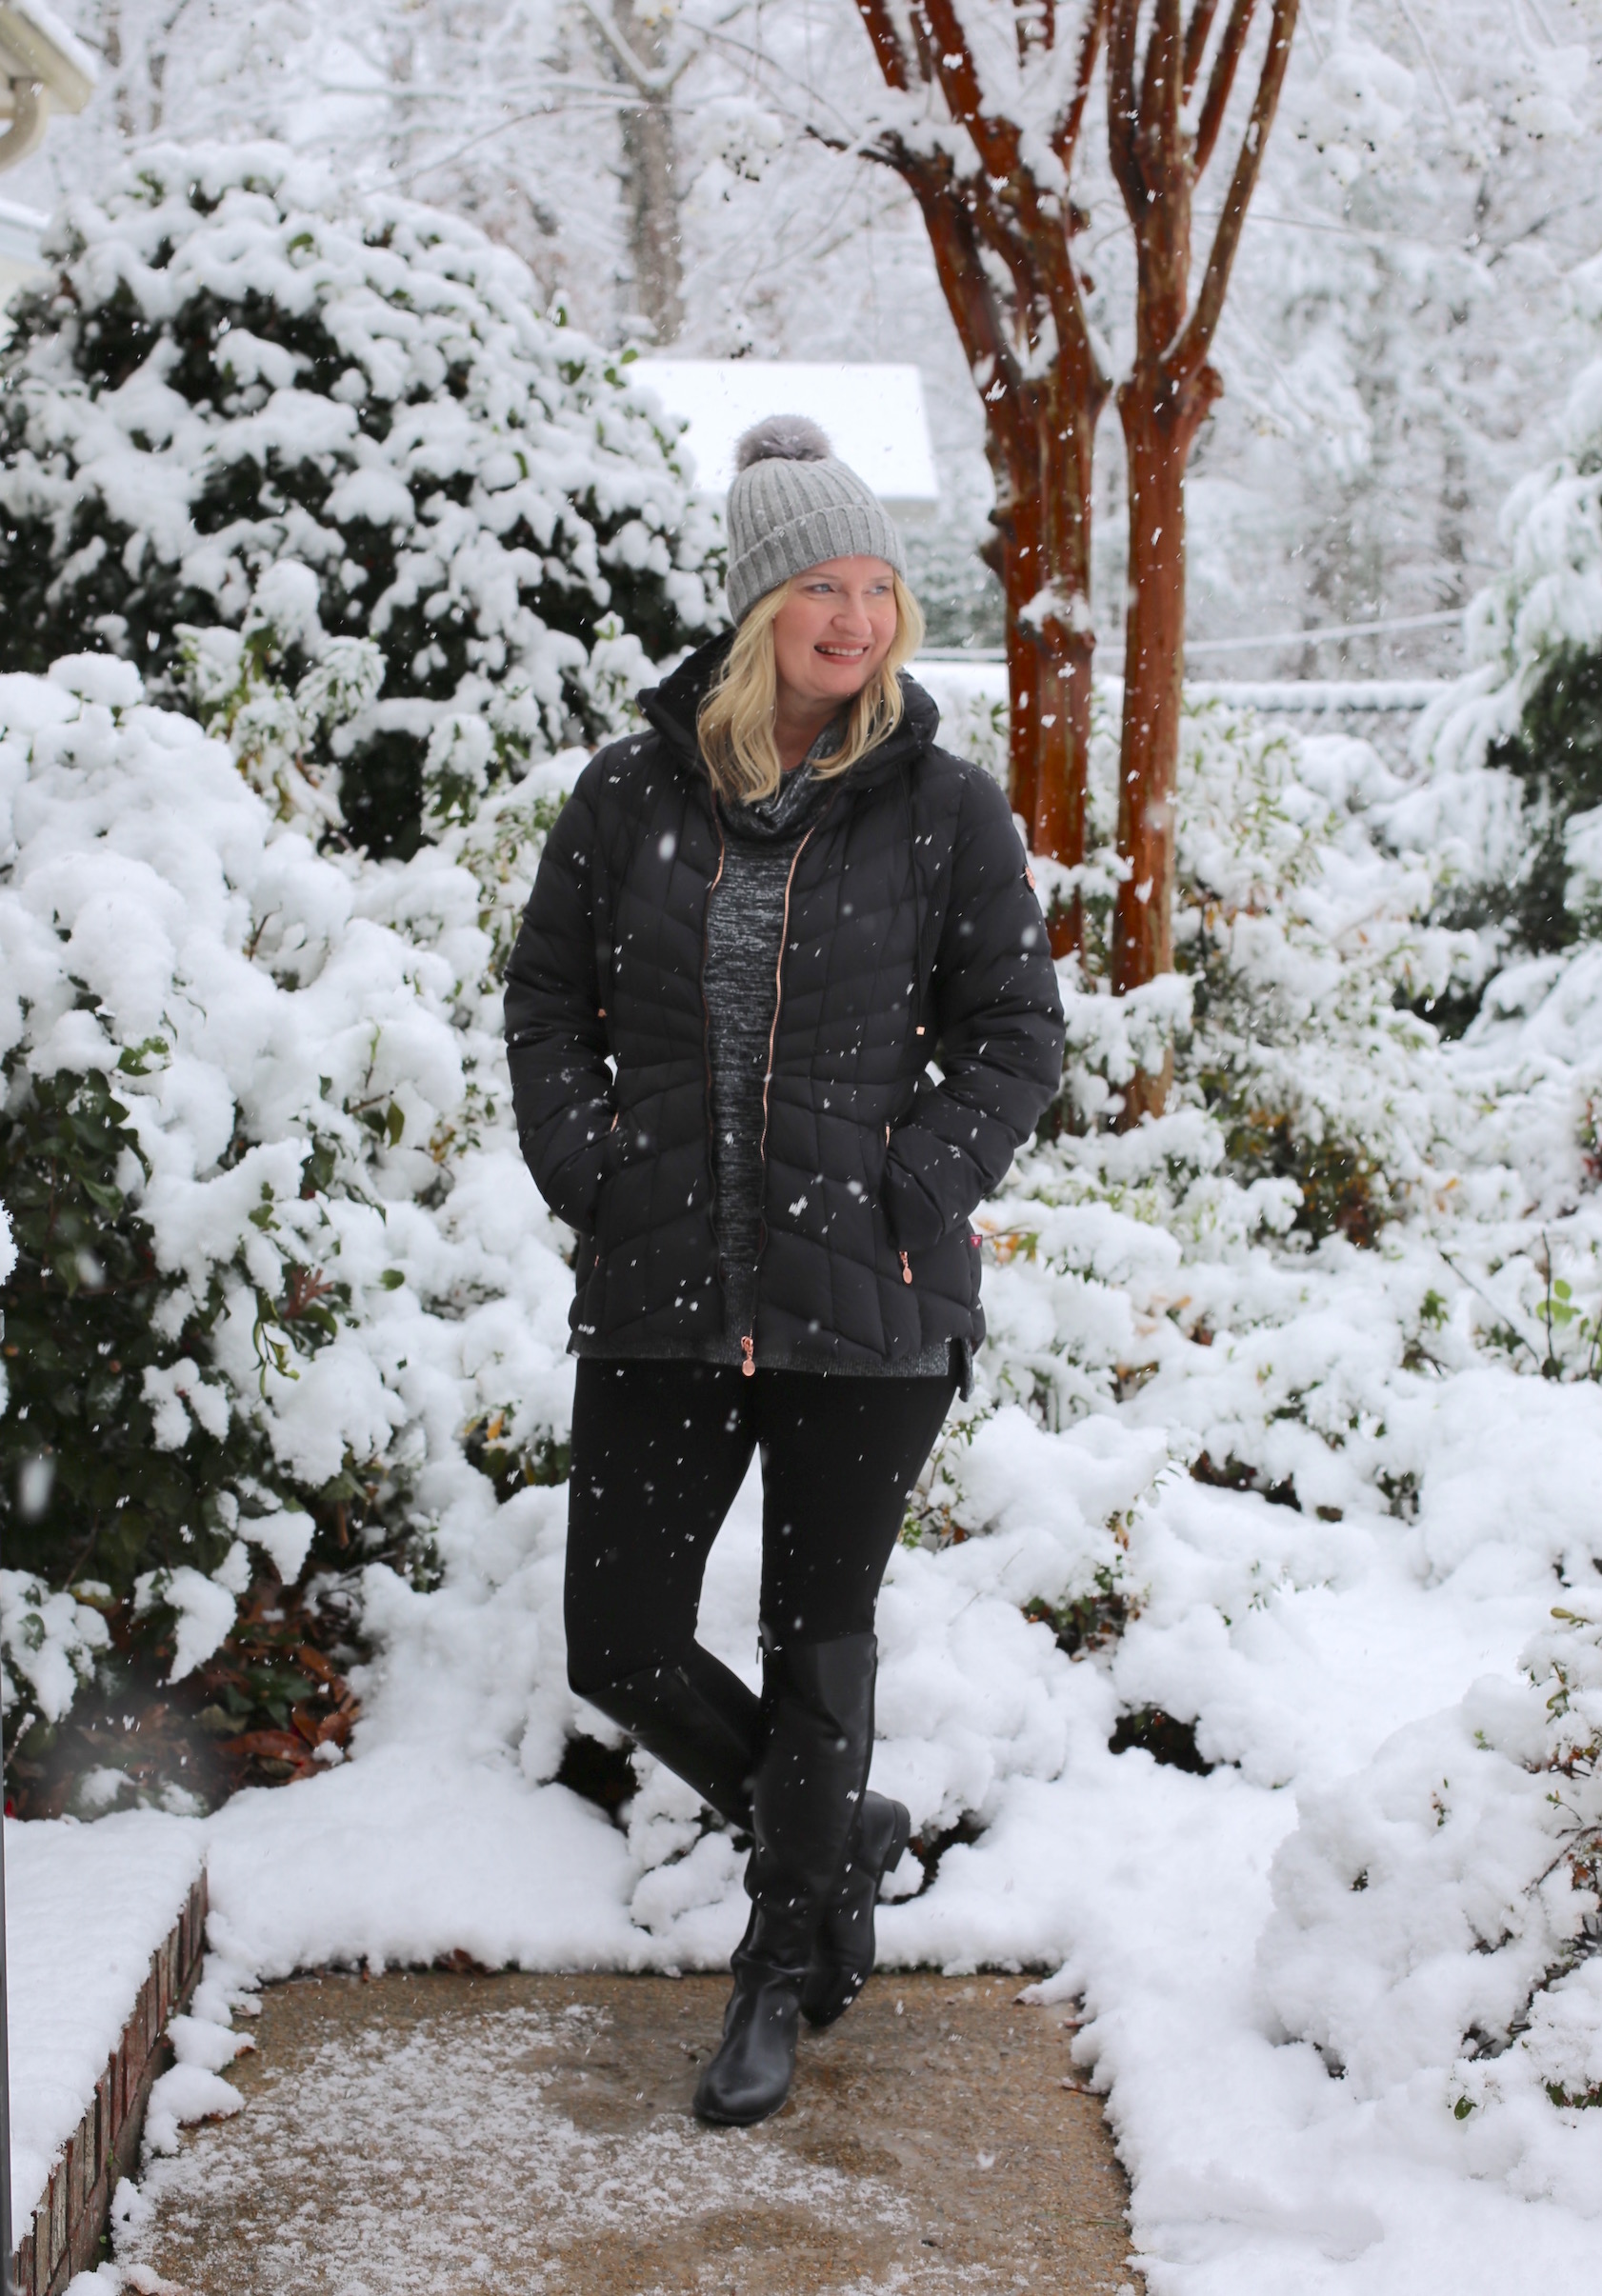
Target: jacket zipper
[[707, 1040], [748, 1344], [906, 1263]]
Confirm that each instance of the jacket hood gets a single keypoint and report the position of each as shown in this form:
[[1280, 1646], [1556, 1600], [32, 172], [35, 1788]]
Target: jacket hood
[[672, 709]]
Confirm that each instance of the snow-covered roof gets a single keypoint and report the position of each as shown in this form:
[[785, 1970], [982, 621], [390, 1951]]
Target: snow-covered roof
[[36, 45], [20, 229], [873, 413]]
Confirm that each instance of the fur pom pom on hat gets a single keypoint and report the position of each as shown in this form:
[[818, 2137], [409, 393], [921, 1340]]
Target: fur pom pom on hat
[[793, 505], [783, 438]]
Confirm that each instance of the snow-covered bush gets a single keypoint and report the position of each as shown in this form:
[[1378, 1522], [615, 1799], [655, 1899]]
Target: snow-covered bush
[[278, 1264], [1515, 748], [1301, 947], [1438, 1912], [254, 416], [50, 1642], [1198, 1273]]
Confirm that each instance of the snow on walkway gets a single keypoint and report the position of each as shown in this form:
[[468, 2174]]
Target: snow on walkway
[[423, 2133], [1146, 1890]]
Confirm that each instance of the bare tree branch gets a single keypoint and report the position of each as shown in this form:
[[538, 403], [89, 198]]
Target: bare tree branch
[[971, 299], [1195, 41], [996, 140], [1001, 232], [1065, 135], [880, 26], [1036, 27], [1123, 105], [1221, 81], [650, 80], [1033, 246], [1190, 353], [1161, 98]]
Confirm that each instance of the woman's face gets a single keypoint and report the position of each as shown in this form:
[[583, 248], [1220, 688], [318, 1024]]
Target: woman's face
[[835, 626]]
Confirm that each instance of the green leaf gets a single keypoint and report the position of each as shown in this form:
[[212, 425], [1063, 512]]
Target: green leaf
[[392, 1278], [394, 1123]]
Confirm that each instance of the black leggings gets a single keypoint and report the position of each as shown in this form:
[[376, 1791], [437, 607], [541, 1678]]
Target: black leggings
[[660, 1451]]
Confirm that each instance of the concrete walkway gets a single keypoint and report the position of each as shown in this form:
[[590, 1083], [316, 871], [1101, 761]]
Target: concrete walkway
[[426, 2134]]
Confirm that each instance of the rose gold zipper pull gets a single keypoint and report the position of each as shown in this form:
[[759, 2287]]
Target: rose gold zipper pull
[[905, 1270], [749, 1346]]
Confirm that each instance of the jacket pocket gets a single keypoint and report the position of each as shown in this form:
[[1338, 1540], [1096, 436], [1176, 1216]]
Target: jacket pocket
[[612, 1162]]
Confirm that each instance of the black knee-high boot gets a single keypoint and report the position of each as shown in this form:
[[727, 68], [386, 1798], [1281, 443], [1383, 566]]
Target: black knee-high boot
[[843, 1949], [818, 1699], [699, 1719]]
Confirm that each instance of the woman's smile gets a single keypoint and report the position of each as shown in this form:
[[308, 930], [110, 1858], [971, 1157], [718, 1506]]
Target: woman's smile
[[836, 626]]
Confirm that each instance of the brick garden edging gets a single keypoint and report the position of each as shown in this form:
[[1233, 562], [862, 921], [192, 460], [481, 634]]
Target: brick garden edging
[[71, 2216]]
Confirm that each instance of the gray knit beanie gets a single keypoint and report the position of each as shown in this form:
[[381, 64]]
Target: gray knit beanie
[[792, 505]]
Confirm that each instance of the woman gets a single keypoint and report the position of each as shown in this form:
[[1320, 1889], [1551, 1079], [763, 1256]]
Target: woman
[[753, 927]]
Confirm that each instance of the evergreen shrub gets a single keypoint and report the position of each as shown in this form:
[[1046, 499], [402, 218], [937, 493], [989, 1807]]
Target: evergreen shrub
[[234, 367]]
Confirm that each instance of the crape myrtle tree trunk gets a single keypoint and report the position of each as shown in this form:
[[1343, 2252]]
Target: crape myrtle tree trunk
[[1165, 114], [985, 139]]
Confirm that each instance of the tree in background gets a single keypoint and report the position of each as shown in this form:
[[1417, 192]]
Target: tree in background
[[1398, 334], [1406, 313], [984, 137], [1161, 139], [1404, 319], [638, 46], [576, 132]]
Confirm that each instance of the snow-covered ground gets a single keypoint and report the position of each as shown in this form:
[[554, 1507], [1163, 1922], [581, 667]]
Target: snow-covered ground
[[1311, 1498], [1212, 1975]]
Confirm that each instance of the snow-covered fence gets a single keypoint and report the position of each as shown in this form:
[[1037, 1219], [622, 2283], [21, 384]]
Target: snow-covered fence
[[1384, 711]]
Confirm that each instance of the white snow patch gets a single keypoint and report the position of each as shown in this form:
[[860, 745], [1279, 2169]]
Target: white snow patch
[[86, 1907]]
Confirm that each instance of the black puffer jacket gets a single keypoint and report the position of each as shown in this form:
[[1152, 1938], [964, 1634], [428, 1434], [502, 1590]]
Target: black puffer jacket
[[912, 933]]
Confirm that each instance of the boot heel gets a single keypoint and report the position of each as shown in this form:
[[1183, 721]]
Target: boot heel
[[843, 1953]]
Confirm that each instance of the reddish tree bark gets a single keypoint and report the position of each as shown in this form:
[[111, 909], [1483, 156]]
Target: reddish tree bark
[[1001, 225], [1158, 159]]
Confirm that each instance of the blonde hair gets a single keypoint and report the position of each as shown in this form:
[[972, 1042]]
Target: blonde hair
[[736, 721]]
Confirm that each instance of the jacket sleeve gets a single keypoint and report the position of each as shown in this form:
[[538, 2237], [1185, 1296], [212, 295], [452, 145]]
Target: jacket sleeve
[[999, 1033], [555, 1031]]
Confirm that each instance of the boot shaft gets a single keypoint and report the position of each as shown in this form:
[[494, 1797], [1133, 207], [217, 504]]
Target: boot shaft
[[818, 1708]]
